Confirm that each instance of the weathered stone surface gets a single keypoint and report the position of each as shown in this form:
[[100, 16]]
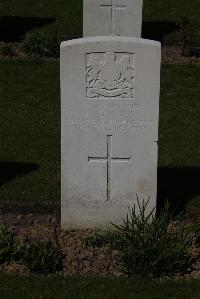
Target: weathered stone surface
[[112, 17], [110, 111]]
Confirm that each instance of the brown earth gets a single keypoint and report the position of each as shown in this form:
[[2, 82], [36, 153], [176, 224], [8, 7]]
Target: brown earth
[[79, 259], [173, 55]]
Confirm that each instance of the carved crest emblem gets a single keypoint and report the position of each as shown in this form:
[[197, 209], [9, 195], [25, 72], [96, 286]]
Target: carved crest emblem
[[110, 75]]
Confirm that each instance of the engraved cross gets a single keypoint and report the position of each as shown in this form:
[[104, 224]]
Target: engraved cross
[[112, 6], [108, 160]]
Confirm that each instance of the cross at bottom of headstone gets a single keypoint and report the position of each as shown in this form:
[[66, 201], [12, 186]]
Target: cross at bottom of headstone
[[112, 8], [109, 159]]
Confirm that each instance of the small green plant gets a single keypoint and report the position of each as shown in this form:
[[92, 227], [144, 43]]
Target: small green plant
[[153, 246], [11, 247], [7, 49], [194, 228], [38, 44], [43, 257], [104, 239]]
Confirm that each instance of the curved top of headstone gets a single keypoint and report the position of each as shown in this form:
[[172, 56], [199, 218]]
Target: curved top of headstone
[[112, 17], [100, 39]]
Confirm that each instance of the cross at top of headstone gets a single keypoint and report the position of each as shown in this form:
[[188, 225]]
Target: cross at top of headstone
[[112, 6], [112, 17]]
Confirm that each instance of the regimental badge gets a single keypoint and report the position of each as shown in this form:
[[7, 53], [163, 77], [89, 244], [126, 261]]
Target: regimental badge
[[110, 75]]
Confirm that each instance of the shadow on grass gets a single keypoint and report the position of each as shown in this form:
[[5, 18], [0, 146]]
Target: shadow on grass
[[178, 185], [158, 30], [13, 29], [10, 170]]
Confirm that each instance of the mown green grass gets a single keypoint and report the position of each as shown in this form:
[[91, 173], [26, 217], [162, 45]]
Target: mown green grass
[[18, 287], [159, 10], [68, 13], [179, 116], [30, 125], [30, 128]]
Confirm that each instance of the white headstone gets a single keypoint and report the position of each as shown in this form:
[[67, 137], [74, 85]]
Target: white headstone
[[112, 17], [110, 111]]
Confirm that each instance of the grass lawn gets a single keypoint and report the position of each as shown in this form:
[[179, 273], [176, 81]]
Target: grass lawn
[[14, 286], [65, 17], [30, 130], [179, 116]]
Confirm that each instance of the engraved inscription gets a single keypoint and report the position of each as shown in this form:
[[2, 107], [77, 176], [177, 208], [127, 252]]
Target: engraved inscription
[[110, 117], [113, 7], [121, 125], [110, 75], [108, 160]]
